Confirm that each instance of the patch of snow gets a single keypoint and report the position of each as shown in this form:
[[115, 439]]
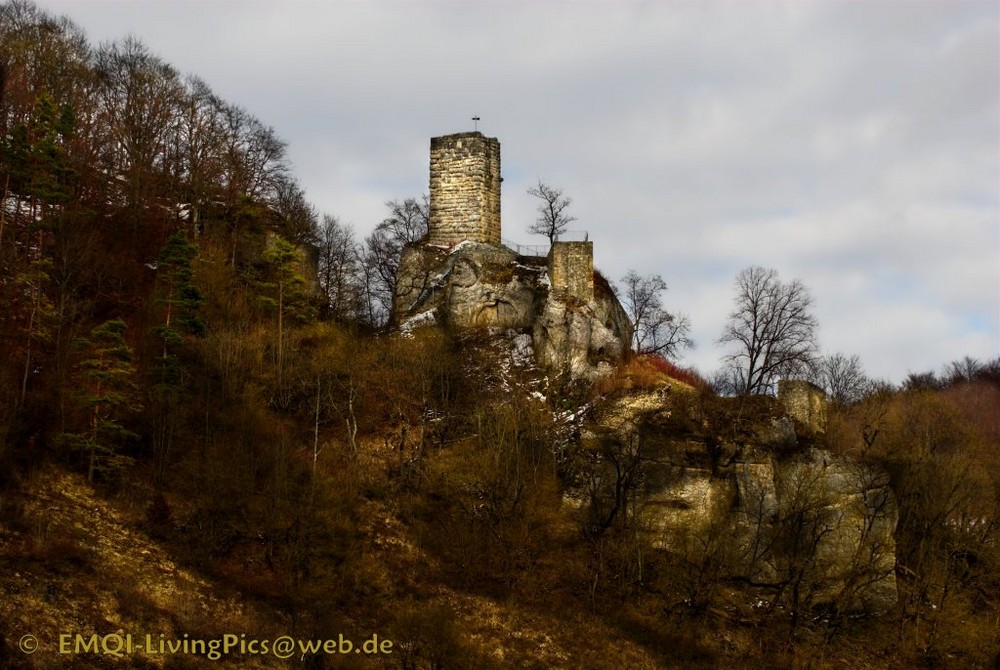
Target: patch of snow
[[522, 350], [438, 281], [461, 245], [417, 321]]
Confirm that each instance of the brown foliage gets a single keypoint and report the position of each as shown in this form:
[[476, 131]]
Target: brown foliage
[[938, 447], [490, 508]]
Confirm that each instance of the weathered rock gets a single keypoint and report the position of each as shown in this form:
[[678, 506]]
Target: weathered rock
[[487, 285], [853, 521], [779, 435], [808, 516], [580, 338], [472, 285]]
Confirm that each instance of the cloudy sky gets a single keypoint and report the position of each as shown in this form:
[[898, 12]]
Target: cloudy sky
[[852, 145]]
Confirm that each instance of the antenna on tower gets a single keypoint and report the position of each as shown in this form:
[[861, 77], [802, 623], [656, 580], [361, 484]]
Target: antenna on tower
[[476, 119]]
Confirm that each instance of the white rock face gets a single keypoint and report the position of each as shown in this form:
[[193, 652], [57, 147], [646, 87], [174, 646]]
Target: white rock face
[[473, 285], [578, 338], [485, 285]]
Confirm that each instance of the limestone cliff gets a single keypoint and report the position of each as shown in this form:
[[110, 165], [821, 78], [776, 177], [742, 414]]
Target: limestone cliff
[[486, 285], [586, 339], [747, 479]]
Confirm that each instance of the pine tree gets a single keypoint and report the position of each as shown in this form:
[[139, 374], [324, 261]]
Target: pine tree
[[108, 393], [182, 300], [288, 293], [36, 161], [50, 174]]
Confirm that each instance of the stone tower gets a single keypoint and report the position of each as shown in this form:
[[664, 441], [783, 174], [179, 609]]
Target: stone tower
[[465, 189]]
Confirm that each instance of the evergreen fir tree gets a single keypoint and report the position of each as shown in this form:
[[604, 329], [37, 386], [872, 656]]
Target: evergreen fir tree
[[108, 393]]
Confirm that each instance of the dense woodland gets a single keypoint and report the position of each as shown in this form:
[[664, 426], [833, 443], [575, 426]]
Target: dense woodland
[[183, 331]]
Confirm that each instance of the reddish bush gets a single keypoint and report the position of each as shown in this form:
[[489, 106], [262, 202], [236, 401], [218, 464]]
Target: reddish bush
[[648, 371], [687, 375]]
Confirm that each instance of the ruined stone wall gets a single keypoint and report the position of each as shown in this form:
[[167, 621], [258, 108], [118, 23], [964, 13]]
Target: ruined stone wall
[[465, 189], [571, 269], [804, 402]]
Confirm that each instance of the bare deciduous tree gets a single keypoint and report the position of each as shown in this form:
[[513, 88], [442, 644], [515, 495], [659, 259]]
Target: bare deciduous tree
[[295, 217], [253, 156], [139, 97], [843, 378], [965, 370], [618, 470], [552, 217], [406, 223], [339, 268], [654, 330], [197, 148], [773, 328], [922, 381]]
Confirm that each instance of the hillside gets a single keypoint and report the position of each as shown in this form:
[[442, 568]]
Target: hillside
[[94, 569], [457, 546], [211, 431]]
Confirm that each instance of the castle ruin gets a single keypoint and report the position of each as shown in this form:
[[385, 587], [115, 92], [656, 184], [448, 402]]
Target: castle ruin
[[571, 269], [465, 206], [462, 275], [805, 402]]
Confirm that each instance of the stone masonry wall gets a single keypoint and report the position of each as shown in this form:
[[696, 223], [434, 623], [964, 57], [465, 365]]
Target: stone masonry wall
[[571, 269], [804, 402], [465, 189]]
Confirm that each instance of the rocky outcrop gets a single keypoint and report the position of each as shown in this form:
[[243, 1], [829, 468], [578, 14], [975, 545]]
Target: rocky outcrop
[[586, 339], [827, 522], [791, 516], [486, 285], [471, 285], [461, 276]]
